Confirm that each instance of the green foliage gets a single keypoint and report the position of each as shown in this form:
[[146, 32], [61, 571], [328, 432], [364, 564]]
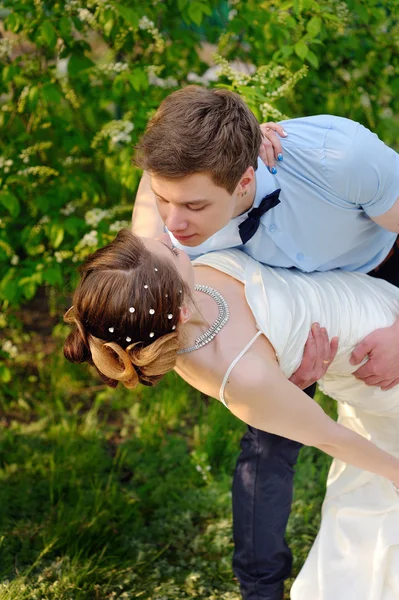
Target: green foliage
[[77, 86], [114, 495], [350, 47], [110, 495]]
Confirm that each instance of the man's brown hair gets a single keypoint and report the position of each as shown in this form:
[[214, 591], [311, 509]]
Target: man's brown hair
[[199, 130]]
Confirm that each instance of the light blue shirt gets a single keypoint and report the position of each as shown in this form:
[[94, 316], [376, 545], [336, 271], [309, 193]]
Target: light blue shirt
[[335, 175]]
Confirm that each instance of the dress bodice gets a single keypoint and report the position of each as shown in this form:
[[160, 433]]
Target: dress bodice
[[285, 303]]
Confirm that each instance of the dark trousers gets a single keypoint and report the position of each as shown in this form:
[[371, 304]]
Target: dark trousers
[[262, 498]]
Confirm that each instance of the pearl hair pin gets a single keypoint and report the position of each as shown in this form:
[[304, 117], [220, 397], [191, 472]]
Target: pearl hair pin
[[146, 287], [152, 334], [170, 316], [128, 339], [152, 311], [132, 309], [111, 329]]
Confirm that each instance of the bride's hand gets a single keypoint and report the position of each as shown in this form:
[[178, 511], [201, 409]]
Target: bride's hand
[[271, 149]]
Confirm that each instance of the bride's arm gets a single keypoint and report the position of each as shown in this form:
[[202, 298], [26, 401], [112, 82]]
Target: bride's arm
[[259, 394]]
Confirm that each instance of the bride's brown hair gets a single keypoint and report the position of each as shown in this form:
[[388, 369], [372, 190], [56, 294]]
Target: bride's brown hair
[[125, 313]]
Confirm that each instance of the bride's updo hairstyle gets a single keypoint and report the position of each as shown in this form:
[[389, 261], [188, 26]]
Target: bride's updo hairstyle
[[125, 313]]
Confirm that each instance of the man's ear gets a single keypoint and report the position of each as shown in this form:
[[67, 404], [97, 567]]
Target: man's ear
[[246, 181], [184, 314]]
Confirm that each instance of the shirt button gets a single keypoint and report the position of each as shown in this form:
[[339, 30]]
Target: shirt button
[[272, 228], [300, 256]]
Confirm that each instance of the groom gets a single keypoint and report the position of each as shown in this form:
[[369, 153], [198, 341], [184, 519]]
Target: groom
[[332, 203]]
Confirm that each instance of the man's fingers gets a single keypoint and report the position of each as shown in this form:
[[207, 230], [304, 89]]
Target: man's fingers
[[361, 351], [326, 345], [309, 353], [372, 380], [334, 348], [385, 387]]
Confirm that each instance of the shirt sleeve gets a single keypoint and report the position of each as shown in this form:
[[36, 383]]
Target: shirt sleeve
[[365, 170]]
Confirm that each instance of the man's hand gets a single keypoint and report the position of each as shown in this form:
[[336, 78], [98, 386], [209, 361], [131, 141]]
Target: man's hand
[[382, 349], [271, 148], [318, 355]]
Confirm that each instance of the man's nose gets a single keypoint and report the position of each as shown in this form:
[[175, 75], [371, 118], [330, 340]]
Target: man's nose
[[175, 220]]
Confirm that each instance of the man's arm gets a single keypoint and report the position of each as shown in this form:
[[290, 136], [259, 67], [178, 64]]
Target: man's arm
[[146, 220], [390, 219]]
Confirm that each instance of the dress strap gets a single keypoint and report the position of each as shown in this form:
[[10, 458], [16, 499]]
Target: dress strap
[[233, 364]]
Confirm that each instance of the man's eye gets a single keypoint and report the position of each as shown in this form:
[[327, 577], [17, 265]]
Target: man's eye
[[196, 209]]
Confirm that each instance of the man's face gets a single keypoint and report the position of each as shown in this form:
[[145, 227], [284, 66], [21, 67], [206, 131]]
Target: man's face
[[193, 208]]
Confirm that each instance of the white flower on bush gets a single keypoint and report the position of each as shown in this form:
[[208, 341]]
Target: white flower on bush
[[89, 240], [169, 82], [87, 17], [14, 260], [61, 255], [117, 131], [95, 215], [5, 164], [68, 209], [118, 225], [6, 46], [118, 67], [145, 23], [9, 348]]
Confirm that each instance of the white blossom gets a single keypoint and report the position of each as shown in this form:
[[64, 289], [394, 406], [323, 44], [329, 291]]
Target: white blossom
[[9, 348], [68, 209], [118, 225], [116, 131], [89, 240], [95, 215]]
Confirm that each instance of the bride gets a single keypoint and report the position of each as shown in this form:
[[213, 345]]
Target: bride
[[235, 330]]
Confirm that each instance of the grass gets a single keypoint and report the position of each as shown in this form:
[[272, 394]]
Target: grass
[[112, 494]]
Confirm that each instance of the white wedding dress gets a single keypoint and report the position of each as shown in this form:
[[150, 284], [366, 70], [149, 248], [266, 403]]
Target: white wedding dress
[[356, 553]]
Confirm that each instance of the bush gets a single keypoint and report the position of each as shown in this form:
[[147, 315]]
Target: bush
[[77, 86]]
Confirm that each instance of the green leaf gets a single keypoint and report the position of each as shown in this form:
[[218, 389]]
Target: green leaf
[[65, 27], [51, 94], [10, 202], [56, 234], [30, 284], [181, 4], [138, 79], [53, 275], [74, 225], [312, 58], [78, 63], [5, 374], [48, 34], [301, 49], [128, 14], [9, 286], [314, 26], [195, 13]]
